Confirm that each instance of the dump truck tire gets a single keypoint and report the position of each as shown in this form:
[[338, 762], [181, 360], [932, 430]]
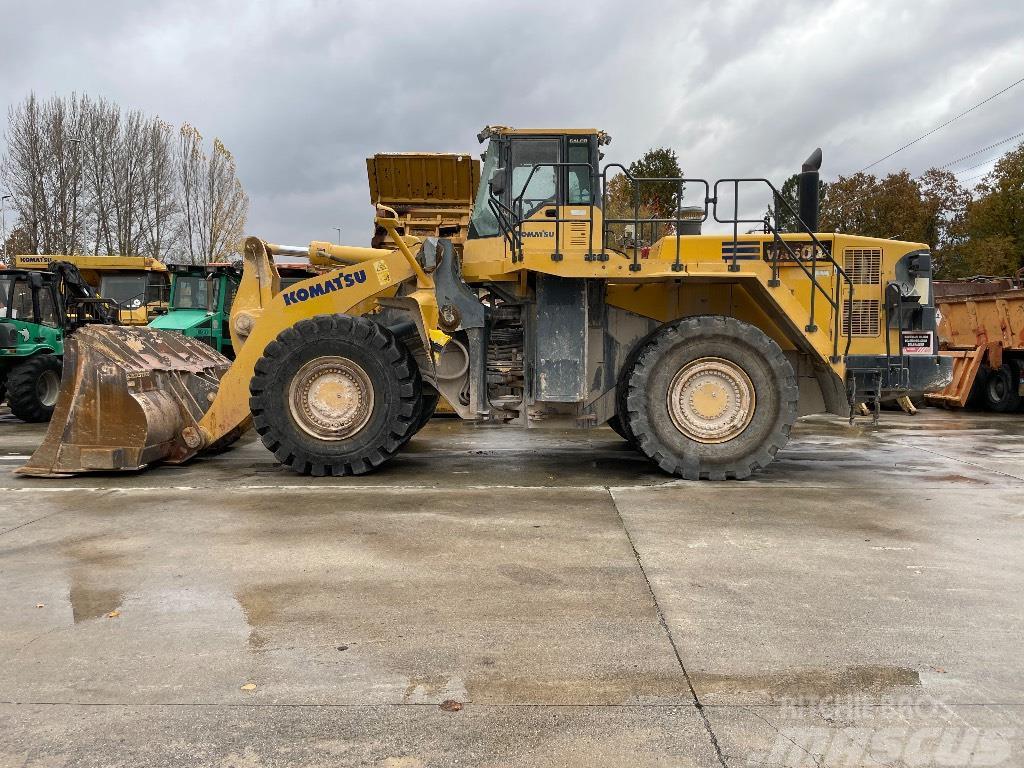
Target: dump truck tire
[[711, 398], [335, 395], [1001, 394], [33, 387]]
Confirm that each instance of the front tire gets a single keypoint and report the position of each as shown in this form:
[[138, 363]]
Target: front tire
[[711, 398], [335, 395], [33, 387]]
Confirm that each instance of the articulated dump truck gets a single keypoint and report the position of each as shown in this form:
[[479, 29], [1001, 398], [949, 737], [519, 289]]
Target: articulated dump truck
[[981, 328], [700, 350]]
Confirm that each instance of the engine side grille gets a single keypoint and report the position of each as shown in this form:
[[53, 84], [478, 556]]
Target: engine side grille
[[578, 235], [863, 265], [865, 320]]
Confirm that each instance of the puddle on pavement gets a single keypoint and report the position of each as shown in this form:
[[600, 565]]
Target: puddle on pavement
[[627, 689], [92, 603], [93, 589], [810, 683]]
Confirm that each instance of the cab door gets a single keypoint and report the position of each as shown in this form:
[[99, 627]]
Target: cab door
[[553, 182], [534, 165]]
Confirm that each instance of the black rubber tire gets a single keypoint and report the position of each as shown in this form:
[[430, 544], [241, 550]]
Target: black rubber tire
[[23, 387], [746, 346], [1017, 367], [429, 401], [393, 375], [616, 425], [622, 390], [3, 388], [1001, 394], [976, 397]]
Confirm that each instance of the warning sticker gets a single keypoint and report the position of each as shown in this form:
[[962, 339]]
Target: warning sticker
[[916, 342], [383, 273]]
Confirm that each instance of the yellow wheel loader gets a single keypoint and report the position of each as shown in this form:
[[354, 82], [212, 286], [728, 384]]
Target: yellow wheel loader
[[701, 350]]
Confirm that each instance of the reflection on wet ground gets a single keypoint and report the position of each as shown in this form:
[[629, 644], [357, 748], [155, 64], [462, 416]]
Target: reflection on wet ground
[[565, 595]]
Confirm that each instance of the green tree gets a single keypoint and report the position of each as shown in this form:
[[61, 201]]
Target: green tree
[[789, 193], [646, 200], [995, 220], [945, 208], [660, 197]]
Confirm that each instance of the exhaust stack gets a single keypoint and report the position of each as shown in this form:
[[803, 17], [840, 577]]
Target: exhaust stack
[[809, 203]]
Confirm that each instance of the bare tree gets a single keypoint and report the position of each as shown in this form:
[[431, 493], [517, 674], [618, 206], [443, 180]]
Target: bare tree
[[159, 187], [212, 202], [43, 171], [87, 176]]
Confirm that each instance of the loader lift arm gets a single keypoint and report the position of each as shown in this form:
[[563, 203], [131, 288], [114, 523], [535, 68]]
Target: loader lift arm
[[335, 292], [174, 397]]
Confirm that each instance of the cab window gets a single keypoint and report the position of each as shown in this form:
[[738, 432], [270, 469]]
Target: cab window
[[21, 302], [579, 192], [47, 308], [540, 188], [158, 287]]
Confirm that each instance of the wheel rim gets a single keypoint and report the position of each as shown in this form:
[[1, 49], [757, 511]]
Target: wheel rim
[[330, 398], [711, 400], [47, 388]]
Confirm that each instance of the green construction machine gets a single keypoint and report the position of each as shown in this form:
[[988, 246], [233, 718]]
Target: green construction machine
[[39, 309], [201, 297], [200, 303]]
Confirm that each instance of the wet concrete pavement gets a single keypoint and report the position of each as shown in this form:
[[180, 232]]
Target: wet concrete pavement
[[861, 602]]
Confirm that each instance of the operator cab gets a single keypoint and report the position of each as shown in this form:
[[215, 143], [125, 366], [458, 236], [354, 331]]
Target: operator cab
[[29, 297], [200, 287], [538, 185]]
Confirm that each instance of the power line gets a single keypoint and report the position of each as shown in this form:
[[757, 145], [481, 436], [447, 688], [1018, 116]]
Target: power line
[[985, 149], [972, 178], [939, 128], [972, 167]]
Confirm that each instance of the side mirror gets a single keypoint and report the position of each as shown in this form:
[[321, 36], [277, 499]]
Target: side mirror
[[497, 182], [35, 280]]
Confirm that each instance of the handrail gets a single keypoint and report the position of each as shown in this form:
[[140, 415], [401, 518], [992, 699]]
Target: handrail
[[510, 220], [637, 182]]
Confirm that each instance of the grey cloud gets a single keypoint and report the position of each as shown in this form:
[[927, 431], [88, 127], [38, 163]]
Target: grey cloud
[[302, 92]]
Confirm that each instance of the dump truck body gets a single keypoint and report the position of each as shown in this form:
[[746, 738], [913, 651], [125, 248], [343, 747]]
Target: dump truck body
[[701, 350], [982, 330], [431, 193]]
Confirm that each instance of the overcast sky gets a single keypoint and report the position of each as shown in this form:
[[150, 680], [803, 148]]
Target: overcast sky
[[303, 92]]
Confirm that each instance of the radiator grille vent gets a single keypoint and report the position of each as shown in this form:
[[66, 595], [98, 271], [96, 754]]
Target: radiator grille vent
[[863, 265], [865, 318], [578, 235]]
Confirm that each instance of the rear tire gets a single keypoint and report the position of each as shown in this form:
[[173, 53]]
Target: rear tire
[[711, 398], [1001, 393], [335, 395], [430, 399], [33, 387]]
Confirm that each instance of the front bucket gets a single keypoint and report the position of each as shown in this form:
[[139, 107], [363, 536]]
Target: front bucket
[[129, 396]]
